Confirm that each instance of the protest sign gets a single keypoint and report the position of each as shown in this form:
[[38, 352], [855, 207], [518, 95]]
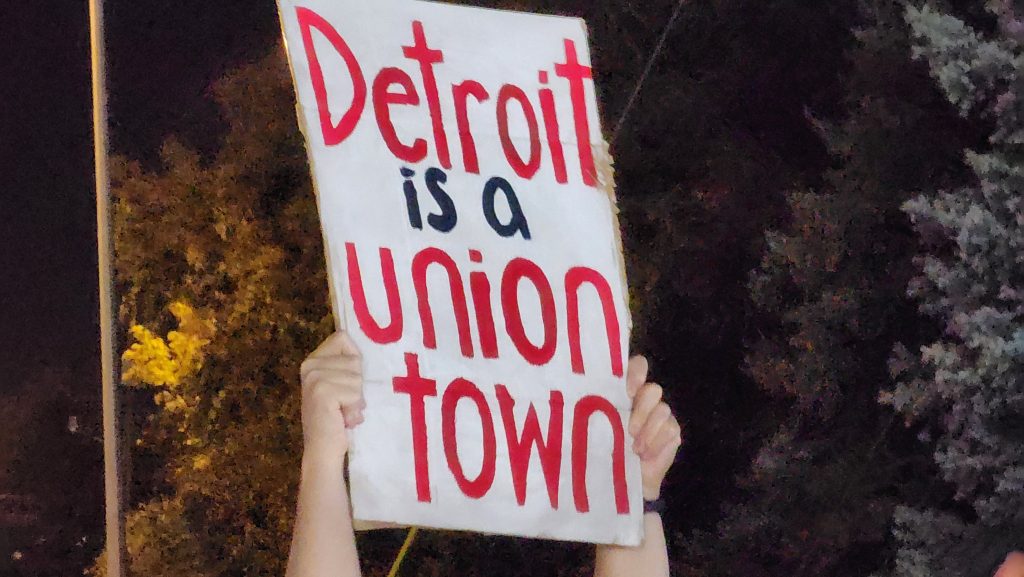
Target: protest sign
[[467, 205]]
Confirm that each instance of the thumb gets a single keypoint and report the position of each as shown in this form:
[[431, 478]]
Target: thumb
[[636, 374]]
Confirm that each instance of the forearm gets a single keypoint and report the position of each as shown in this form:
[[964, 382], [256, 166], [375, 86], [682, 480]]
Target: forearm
[[323, 543], [650, 559]]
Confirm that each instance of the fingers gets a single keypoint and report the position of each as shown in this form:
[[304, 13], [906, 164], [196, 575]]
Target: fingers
[[332, 376], [353, 414], [332, 363], [666, 438], [334, 386], [636, 375], [646, 399], [672, 446], [336, 392], [652, 425], [338, 344], [658, 419]]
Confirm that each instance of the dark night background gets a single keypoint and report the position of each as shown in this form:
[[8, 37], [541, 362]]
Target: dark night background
[[162, 58], [761, 178]]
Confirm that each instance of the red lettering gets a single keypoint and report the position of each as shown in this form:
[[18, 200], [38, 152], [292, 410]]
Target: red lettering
[[462, 389], [383, 98], [333, 133], [574, 279], [420, 263], [586, 407], [520, 443], [370, 327], [481, 290], [520, 447], [517, 270], [393, 87], [418, 388], [576, 73], [427, 57], [547, 107], [461, 93], [524, 169]]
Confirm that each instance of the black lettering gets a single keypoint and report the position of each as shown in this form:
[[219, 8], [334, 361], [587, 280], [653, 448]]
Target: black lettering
[[448, 218], [518, 222], [412, 201]]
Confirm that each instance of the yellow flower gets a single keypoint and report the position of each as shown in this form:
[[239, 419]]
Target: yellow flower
[[148, 360], [157, 362]]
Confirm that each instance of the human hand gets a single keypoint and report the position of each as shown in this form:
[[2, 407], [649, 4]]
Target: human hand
[[656, 433], [1013, 566], [332, 395]]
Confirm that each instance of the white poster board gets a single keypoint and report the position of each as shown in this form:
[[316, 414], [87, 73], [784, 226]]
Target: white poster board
[[467, 205]]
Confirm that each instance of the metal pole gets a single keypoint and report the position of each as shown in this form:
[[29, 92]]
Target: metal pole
[[108, 322]]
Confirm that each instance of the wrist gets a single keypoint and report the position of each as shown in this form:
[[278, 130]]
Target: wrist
[[654, 507], [323, 455]]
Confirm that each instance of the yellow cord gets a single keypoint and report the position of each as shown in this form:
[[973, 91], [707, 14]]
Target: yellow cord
[[401, 552]]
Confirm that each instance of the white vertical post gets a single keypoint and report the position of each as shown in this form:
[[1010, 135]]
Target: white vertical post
[[108, 322]]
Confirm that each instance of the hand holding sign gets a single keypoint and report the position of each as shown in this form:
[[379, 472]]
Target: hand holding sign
[[333, 402], [656, 433], [332, 395]]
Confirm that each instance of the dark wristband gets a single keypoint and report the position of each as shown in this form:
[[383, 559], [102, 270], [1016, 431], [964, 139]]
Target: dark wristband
[[655, 506]]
